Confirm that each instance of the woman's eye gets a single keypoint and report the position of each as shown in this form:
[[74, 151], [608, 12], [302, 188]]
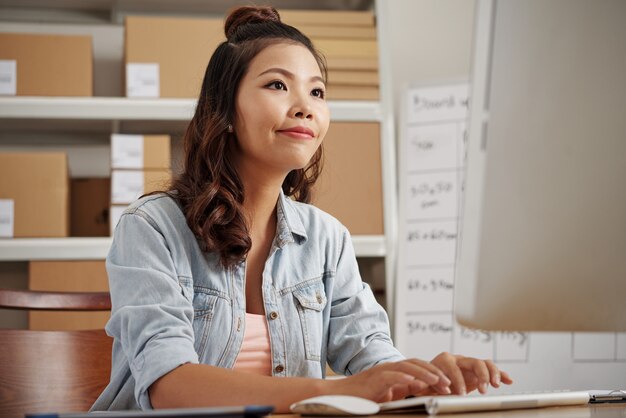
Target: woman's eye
[[320, 93], [277, 85]]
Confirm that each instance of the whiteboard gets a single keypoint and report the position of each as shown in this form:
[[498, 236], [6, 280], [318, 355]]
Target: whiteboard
[[431, 170]]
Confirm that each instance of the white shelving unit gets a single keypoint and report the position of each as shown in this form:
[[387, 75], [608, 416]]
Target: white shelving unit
[[25, 249], [121, 108], [116, 109], [96, 117]]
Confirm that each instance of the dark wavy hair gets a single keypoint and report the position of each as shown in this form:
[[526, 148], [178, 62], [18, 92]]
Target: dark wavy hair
[[209, 189]]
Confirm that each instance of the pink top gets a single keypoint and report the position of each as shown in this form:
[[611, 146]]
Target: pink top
[[255, 355]]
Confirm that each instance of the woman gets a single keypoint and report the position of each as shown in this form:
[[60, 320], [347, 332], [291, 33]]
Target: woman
[[230, 289]]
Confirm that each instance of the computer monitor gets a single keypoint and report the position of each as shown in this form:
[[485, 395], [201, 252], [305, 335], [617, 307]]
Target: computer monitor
[[543, 231]]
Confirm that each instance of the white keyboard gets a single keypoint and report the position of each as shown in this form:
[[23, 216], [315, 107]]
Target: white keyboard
[[450, 404]]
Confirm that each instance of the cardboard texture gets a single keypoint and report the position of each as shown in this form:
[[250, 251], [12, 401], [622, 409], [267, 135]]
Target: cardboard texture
[[338, 32], [349, 48], [39, 185], [339, 92], [67, 276], [352, 63], [156, 151], [350, 187], [180, 46], [50, 65], [90, 207], [353, 78], [327, 17], [151, 152]]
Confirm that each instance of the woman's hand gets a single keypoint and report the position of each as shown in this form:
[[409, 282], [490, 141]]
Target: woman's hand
[[467, 374], [446, 374], [391, 381]]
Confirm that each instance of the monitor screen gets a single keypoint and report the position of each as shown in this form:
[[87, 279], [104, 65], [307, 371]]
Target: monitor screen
[[543, 233]]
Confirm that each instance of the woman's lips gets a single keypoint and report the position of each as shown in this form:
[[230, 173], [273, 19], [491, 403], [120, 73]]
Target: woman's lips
[[298, 132]]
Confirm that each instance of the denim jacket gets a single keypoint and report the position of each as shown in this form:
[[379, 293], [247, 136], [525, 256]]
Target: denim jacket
[[173, 304]]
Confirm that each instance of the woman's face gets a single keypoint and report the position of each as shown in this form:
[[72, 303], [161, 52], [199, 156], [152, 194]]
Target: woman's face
[[281, 111]]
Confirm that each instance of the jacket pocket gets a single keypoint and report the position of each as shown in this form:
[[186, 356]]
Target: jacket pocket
[[203, 308], [310, 302]]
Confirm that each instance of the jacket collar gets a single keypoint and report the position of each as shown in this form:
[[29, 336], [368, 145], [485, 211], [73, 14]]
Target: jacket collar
[[289, 224]]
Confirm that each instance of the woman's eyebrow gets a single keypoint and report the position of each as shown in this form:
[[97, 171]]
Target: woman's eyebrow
[[288, 74]]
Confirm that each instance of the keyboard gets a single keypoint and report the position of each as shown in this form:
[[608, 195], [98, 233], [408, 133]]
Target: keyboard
[[434, 405]]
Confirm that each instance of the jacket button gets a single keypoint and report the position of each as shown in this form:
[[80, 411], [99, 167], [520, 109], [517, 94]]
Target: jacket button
[[319, 298], [279, 369], [273, 315]]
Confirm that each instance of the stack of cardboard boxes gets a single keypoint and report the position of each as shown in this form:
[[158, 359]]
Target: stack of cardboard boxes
[[155, 47], [348, 41], [140, 164]]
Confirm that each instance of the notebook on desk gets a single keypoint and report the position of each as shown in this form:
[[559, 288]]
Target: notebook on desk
[[225, 412]]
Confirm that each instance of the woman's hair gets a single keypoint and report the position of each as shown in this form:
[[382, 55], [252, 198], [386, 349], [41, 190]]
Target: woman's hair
[[209, 189]]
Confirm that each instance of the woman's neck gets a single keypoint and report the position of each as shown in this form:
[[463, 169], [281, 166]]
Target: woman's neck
[[261, 196]]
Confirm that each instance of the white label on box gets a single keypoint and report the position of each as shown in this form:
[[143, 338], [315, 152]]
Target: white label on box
[[126, 186], [126, 151], [115, 213], [7, 217], [142, 80], [8, 77]]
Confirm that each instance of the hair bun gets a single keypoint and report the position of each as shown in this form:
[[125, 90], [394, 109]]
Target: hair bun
[[249, 14]]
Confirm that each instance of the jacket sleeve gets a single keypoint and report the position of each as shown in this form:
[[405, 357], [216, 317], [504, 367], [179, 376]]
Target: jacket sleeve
[[359, 327], [151, 315]]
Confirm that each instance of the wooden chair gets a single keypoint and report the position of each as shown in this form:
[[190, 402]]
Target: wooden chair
[[52, 371]]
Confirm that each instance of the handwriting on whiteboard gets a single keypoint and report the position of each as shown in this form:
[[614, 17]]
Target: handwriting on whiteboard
[[431, 183]]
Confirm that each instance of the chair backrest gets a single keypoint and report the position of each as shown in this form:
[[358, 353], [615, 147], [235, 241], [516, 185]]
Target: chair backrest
[[52, 371]]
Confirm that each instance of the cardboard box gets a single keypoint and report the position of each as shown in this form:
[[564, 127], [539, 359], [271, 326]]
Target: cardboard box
[[167, 57], [347, 48], [90, 207], [327, 17], [350, 187], [353, 78], [338, 31], [352, 63], [68, 276], [343, 92], [129, 185], [38, 185], [46, 65], [140, 151]]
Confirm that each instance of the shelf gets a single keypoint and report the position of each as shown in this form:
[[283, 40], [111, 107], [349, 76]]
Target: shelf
[[125, 109], [25, 249]]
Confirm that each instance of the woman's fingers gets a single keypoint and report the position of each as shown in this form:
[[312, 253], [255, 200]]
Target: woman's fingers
[[494, 373], [505, 378], [443, 382], [448, 364], [480, 370], [424, 375]]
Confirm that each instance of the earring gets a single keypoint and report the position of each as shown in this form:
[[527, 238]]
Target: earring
[[229, 128]]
